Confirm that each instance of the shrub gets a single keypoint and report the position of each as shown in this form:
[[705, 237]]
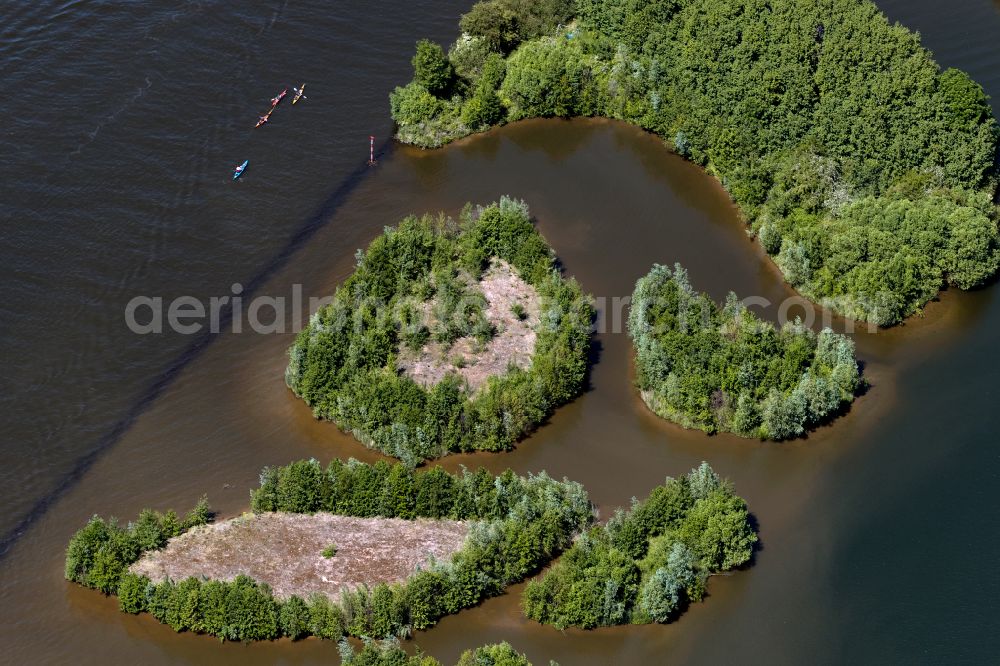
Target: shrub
[[484, 109], [201, 514], [544, 78], [413, 104], [294, 618]]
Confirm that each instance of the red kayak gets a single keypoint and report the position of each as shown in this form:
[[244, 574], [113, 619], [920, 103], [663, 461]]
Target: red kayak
[[281, 96]]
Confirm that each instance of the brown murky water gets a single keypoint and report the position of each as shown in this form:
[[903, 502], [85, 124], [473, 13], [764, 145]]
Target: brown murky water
[[877, 532], [612, 201]]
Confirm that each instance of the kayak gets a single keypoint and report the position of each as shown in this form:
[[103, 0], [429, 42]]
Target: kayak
[[264, 118], [298, 93], [281, 96], [240, 169]]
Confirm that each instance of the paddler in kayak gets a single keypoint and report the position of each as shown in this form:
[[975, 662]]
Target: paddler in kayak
[[281, 96], [263, 120]]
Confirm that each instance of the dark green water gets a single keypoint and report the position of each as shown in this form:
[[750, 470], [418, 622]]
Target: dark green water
[[878, 532]]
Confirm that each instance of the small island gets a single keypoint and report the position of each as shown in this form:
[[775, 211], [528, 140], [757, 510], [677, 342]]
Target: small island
[[411, 547], [865, 171], [450, 336], [647, 564], [723, 369], [389, 653]]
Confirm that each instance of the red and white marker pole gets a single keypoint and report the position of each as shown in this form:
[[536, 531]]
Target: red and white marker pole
[[371, 151]]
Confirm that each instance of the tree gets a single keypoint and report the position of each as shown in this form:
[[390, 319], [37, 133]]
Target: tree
[[148, 532], [672, 584], [183, 605], [382, 653], [498, 654], [503, 24], [83, 546], [544, 78], [423, 594], [201, 514], [213, 609], [435, 494], [483, 110], [294, 618], [467, 56], [661, 595], [718, 531], [703, 481], [132, 593], [413, 105], [251, 611], [495, 23], [972, 254], [431, 68], [301, 487], [158, 601], [784, 416], [326, 620], [384, 620]]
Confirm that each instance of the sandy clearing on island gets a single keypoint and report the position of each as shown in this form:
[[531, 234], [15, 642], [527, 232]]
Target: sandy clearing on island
[[513, 344], [284, 550]]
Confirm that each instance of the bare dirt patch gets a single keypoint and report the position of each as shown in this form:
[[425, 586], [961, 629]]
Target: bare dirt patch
[[512, 345], [285, 550]]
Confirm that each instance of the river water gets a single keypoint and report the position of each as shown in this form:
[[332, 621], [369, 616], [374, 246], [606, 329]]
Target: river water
[[877, 532]]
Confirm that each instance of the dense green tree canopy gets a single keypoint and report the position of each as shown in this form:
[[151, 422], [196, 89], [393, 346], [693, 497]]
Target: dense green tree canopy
[[503, 24], [431, 68], [647, 564], [724, 369], [834, 130], [344, 363]]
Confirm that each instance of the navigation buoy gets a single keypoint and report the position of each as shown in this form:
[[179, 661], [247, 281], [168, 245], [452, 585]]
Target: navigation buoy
[[371, 151]]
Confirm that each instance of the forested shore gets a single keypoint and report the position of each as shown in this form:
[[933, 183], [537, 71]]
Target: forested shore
[[865, 170]]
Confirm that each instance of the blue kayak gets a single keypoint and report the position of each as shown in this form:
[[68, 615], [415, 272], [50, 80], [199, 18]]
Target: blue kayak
[[240, 169]]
